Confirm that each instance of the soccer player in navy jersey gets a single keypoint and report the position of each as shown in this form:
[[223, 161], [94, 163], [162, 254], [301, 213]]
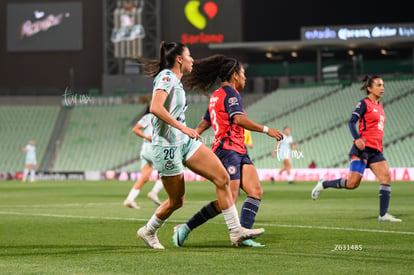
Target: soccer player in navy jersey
[[227, 117], [367, 148]]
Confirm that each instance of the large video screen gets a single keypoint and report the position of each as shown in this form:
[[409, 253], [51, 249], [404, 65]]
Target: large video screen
[[202, 21], [49, 26]]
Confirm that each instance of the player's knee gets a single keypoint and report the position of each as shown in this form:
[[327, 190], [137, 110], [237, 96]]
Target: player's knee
[[222, 181], [176, 204]]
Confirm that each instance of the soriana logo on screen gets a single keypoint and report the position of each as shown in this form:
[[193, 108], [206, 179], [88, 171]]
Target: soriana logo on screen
[[199, 15], [199, 22], [196, 17]]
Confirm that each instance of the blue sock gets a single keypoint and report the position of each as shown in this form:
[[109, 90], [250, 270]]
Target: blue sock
[[384, 198], [249, 211], [206, 213], [338, 183]]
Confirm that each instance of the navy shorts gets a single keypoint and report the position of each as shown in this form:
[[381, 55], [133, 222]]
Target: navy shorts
[[233, 162], [369, 154]]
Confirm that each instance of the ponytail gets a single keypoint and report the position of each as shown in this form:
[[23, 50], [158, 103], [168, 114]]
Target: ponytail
[[168, 53], [368, 80]]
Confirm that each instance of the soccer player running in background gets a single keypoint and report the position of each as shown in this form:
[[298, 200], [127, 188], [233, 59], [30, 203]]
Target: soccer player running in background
[[367, 148], [248, 140], [143, 129], [31, 161], [226, 115], [283, 151], [175, 145]]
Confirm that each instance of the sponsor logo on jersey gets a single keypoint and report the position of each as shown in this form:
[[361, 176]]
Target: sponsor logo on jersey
[[233, 101]]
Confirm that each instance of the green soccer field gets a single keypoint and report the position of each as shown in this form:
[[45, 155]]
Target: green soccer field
[[81, 227]]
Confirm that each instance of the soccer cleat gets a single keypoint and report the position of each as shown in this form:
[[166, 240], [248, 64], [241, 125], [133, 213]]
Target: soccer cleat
[[239, 235], [251, 243], [154, 197], [181, 232], [388, 218], [150, 239], [317, 189], [130, 204]]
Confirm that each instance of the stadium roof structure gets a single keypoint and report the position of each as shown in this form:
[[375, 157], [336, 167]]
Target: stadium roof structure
[[332, 38], [298, 45]]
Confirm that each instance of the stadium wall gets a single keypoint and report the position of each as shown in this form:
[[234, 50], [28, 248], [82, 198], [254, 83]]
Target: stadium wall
[[397, 174]]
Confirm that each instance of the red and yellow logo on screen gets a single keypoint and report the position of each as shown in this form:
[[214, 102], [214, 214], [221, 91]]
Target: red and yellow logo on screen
[[194, 15]]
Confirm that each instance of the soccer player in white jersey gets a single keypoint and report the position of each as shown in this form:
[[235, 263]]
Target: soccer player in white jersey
[[30, 150], [283, 151], [175, 145], [144, 129]]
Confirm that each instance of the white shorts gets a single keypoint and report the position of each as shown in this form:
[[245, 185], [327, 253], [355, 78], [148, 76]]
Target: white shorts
[[168, 160]]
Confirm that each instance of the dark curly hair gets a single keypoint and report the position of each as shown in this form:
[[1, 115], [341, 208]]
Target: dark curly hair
[[207, 71]]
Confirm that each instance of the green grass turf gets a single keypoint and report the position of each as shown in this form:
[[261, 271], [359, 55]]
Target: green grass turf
[[74, 227]]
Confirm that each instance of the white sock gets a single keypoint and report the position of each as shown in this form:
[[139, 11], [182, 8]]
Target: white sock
[[157, 187], [32, 174], [133, 194], [154, 224], [25, 173], [231, 217], [290, 177]]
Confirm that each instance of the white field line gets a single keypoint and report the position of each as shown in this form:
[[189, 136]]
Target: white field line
[[62, 205], [65, 205], [180, 221]]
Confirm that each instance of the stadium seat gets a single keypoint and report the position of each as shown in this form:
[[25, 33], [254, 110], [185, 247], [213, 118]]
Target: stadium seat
[[99, 138], [319, 127]]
